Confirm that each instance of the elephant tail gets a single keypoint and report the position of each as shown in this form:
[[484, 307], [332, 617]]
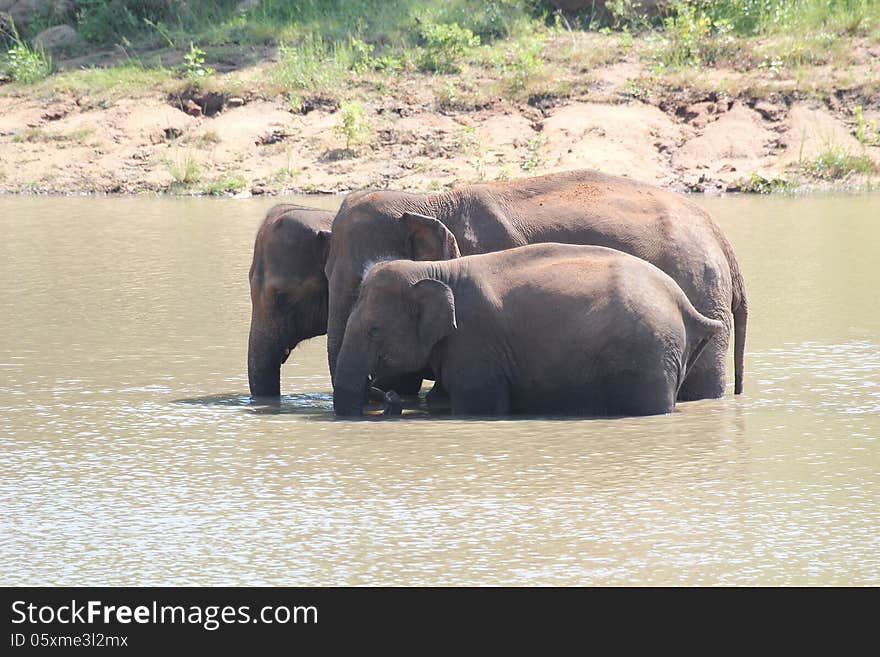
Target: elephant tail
[[740, 320], [739, 307]]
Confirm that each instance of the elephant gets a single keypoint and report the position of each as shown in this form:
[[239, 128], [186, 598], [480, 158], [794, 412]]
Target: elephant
[[538, 329], [577, 207], [288, 290]]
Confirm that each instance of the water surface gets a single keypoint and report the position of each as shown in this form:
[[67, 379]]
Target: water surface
[[132, 454]]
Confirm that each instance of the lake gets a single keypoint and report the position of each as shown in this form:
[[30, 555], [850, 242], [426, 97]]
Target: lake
[[132, 454]]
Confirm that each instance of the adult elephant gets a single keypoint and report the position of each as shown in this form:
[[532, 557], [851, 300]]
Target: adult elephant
[[576, 207], [288, 290]]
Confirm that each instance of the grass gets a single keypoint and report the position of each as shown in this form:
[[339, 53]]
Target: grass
[[758, 184], [337, 46], [533, 150], [184, 169], [836, 163], [39, 135], [225, 185], [22, 62]]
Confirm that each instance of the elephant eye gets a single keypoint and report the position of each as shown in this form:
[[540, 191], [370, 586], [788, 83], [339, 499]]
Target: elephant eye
[[373, 332]]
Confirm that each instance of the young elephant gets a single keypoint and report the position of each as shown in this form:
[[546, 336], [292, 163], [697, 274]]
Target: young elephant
[[545, 328], [288, 290]]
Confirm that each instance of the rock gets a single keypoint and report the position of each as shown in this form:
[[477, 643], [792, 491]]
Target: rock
[[770, 111], [235, 102], [23, 11], [56, 38], [700, 114], [192, 108]]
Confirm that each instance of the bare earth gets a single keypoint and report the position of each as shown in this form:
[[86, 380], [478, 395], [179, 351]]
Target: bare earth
[[681, 138]]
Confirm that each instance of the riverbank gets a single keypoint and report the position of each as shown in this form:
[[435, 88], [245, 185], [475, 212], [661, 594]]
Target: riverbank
[[765, 114]]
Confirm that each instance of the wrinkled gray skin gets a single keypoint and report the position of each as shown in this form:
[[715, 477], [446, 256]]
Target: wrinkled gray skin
[[288, 290], [578, 207], [544, 328]]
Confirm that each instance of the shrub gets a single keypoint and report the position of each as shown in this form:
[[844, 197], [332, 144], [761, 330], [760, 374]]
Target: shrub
[[223, 186], [835, 163], [184, 169], [25, 64], [522, 62], [353, 124], [445, 45], [194, 64]]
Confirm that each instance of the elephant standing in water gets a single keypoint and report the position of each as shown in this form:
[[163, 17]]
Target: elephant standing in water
[[577, 207], [544, 328], [288, 290]]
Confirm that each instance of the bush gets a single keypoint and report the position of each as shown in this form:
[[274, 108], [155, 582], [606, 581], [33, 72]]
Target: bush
[[522, 62], [835, 163], [25, 64], [194, 64], [353, 124], [445, 46]]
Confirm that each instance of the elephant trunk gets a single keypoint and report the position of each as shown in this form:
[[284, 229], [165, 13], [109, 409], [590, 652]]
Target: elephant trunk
[[264, 364], [352, 380]]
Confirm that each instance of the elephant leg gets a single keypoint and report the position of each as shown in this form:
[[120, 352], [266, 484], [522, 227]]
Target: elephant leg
[[491, 399], [707, 377], [437, 393], [404, 385], [437, 399]]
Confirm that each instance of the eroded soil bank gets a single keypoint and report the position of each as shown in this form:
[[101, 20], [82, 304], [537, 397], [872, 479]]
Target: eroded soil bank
[[701, 130]]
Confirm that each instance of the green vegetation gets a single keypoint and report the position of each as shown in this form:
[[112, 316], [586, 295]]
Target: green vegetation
[[446, 45], [225, 185], [533, 149], [184, 169], [324, 45], [758, 184], [353, 124], [866, 131], [835, 163], [521, 62], [23, 63], [404, 57], [39, 135], [194, 64]]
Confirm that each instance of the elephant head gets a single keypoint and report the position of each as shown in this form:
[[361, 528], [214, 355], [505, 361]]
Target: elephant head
[[394, 326], [370, 228], [288, 291]]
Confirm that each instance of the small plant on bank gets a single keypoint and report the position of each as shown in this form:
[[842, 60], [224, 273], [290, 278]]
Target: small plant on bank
[[225, 185], [835, 163], [758, 184], [23, 63], [194, 64], [446, 45], [866, 131], [353, 124], [533, 148], [522, 63], [184, 169]]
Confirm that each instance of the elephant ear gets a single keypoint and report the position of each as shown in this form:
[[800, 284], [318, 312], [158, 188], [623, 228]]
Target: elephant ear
[[428, 239], [322, 246], [435, 308]]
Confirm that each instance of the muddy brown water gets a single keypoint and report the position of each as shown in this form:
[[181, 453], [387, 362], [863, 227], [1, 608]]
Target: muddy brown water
[[131, 453]]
